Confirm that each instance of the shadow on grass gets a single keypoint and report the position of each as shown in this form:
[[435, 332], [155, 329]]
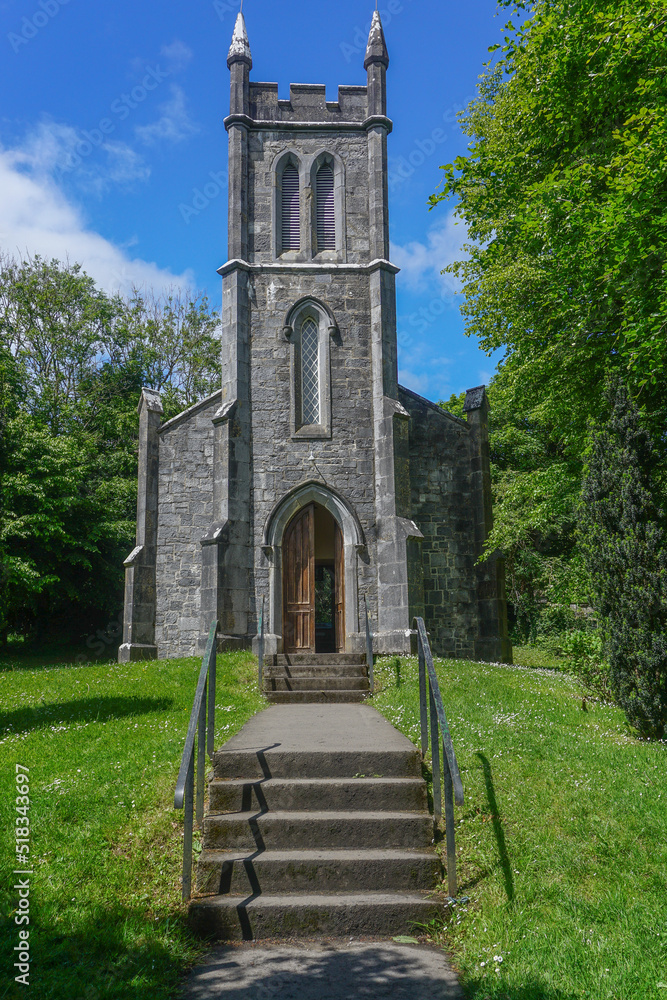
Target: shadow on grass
[[115, 953], [16, 662], [498, 828], [84, 710]]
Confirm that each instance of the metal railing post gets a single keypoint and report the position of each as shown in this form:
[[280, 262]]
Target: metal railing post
[[435, 758], [187, 829], [453, 788], [369, 651], [204, 732], [423, 716], [210, 741], [260, 645], [201, 757], [449, 828]]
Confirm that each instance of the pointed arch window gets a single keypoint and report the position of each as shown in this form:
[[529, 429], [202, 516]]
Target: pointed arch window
[[310, 372], [326, 215], [291, 229], [309, 326]]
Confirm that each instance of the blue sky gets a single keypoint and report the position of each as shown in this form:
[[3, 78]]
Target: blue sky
[[113, 154]]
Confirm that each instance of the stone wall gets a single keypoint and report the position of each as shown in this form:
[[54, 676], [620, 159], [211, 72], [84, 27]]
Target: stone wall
[[345, 461], [307, 103], [185, 511], [442, 507], [264, 148]]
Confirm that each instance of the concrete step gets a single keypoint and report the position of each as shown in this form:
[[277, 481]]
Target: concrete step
[[243, 873], [290, 830], [369, 793], [322, 682], [318, 670], [315, 697], [273, 762], [305, 915], [317, 659]]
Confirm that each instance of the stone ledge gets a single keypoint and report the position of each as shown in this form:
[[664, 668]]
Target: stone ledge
[[132, 652]]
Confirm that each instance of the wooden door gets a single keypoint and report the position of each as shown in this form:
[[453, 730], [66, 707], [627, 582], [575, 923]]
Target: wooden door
[[339, 616], [299, 583]]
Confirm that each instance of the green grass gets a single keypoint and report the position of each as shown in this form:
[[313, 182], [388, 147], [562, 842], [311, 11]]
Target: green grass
[[103, 744], [535, 656], [562, 841]]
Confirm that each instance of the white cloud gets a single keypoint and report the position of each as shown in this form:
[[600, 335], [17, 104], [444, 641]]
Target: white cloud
[[96, 162], [412, 380], [421, 263], [433, 380], [177, 55], [174, 123], [36, 217]]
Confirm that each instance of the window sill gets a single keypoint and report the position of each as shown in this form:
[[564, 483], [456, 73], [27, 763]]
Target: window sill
[[312, 432]]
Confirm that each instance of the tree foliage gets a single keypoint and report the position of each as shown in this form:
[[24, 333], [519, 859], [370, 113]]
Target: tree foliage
[[73, 361], [564, 196], [625, 546], [536, 486]]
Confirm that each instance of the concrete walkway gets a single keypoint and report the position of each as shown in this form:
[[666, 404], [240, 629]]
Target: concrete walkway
[[335, 970], [318, 836], [318, 728]]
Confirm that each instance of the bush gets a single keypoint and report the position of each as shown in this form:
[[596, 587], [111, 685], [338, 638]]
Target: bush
[[626, 553]]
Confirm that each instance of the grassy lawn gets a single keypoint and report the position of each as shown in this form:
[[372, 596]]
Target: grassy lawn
[[562, 841], [103, 745]]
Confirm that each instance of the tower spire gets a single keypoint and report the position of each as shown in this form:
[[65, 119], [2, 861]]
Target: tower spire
[[376, 50], [239, 50]]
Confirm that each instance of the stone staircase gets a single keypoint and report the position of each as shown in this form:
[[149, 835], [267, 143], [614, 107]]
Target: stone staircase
[[307, 678], [317, 825]]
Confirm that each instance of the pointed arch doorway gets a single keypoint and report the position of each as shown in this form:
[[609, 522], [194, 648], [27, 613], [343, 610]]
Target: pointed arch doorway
[[313, 583]]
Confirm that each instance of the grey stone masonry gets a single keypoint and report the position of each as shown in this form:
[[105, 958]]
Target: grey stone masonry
[[185, 517], [492, 638], [140, 585], [318, 421], [464, 603]]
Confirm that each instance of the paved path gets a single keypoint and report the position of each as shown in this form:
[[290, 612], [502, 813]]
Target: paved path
[[335, 970], [323, 728]]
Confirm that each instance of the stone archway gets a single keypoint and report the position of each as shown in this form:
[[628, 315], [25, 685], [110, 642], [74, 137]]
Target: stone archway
[[352, 543]]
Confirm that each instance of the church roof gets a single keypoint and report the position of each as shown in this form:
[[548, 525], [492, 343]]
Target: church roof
[[239, 50], [376, 50]]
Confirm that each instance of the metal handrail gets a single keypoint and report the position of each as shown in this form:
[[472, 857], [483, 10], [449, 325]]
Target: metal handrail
[[451, 775], [260, 645], [185, 786], [369, 651]]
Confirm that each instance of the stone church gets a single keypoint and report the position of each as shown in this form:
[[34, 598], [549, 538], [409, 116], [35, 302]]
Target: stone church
[[312, 483]]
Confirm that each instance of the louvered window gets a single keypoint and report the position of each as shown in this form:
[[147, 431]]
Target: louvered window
[[326, 222], [310, 372], [291, 236]]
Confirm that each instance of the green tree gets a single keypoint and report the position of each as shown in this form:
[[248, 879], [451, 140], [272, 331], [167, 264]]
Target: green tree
[[564, 196], [536, 486], [73, 361], [625, 548]]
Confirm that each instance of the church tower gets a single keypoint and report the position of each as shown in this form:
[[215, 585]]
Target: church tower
[[307, 435], [321, 485]]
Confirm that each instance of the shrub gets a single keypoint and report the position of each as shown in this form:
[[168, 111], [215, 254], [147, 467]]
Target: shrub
[[624, 547]]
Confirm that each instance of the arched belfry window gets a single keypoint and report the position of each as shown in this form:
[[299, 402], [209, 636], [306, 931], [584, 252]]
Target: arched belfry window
[[326, 214], [309, 329], [291, 227]]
